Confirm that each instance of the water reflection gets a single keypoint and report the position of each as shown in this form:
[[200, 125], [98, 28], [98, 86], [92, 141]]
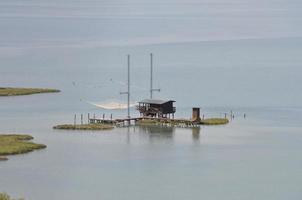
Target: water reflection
[[157, 134], [128, 135], [196, 135], [162, 133]]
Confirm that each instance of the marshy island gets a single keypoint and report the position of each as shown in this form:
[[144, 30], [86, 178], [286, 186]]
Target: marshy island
[[13, 144], [16, 91], [151, 112]]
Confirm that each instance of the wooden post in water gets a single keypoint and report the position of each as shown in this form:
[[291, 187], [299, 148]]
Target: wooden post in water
[[88, 117], [81, 119]]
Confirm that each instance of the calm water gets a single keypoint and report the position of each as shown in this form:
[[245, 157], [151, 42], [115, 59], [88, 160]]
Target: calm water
[[220, 55]]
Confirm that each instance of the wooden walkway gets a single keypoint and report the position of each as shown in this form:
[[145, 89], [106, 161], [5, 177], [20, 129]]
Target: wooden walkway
[[162, 121], [113, 121]]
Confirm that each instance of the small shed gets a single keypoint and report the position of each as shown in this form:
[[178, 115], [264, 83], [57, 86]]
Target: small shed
[[156, 108]]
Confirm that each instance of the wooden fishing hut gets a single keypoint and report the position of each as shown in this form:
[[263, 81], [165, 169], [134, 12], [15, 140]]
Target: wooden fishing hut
[[156, 108]]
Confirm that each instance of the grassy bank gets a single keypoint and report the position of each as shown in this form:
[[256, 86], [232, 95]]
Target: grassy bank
[[8, 91], [180, 122], [214, 121], [146, 122], [84, 127], [4, 196], [17, 144]]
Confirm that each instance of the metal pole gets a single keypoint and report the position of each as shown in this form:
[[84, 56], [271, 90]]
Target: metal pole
[[151, 76], [128, 92], [128, 86]]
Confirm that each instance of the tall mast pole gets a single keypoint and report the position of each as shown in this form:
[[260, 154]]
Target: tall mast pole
[[128, 87], [151, 77]]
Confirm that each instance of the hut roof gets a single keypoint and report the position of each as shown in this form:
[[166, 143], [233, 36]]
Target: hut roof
[[155, 101]]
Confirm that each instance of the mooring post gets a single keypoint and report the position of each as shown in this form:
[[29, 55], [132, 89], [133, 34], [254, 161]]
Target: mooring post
[[88, 117], [82, 119]]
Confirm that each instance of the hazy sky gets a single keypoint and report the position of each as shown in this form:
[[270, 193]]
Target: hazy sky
[[42, 42], [89, 23]]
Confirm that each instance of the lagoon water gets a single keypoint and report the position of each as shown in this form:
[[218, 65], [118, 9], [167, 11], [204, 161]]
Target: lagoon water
[[220, 55]]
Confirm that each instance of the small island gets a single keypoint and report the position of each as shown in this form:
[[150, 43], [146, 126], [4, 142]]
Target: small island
[[17, 144], [11, 91], [92, 127]]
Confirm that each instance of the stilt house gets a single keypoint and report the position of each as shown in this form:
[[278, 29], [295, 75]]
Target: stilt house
[[156, 108]]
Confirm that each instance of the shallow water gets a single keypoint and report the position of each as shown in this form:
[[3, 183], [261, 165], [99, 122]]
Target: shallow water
[[240, 56], [250, 158]]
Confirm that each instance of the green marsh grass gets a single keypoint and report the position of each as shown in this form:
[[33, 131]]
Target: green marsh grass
[[214, 121], [17, 144], [9, 91], [84, 127]]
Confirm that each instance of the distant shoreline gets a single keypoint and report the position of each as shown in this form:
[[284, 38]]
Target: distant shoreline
[[12, 91]]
